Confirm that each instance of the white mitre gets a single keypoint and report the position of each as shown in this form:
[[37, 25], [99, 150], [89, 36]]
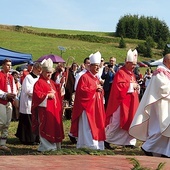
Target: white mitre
[[95, 58], [47, 65], [132, 56]]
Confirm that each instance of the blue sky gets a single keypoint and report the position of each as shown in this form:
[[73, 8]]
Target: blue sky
[[86, 15]]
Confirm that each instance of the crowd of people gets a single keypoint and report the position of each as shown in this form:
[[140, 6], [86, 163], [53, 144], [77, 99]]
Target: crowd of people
[[111, 104]]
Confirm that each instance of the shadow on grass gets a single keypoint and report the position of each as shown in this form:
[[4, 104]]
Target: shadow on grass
[[67, 147]]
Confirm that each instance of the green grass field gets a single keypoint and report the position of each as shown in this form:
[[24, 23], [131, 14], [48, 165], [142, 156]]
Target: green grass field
[[67, 147], [41, 45]]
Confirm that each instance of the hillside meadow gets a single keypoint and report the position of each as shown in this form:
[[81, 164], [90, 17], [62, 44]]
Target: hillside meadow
[[42, 45]]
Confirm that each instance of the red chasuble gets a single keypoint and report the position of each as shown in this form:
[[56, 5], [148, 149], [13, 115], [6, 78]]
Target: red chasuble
[[88, 99], [50, 125], [119, 96]]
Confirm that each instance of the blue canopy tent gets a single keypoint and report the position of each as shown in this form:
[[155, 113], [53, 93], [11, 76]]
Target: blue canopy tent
[[14, 56]]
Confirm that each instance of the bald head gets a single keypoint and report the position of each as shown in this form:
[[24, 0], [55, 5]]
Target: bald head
[[166, 60]]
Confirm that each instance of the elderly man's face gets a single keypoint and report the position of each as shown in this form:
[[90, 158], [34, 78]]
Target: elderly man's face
[[130, 65], [112, 61], [166, 60], [47, 74], [94, 68]]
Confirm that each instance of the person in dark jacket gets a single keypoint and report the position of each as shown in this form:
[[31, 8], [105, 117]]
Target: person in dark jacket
[[70, 81], [108, 76]]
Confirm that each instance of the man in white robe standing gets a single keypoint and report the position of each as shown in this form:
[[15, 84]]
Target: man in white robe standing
[[151, 123], [24, 130]]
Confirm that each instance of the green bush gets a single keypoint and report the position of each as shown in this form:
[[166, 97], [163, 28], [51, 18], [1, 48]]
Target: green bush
[[122, 43]]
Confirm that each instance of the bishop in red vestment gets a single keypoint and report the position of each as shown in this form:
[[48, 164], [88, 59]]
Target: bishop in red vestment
[[122, 104], [47, 111], [88, 116]]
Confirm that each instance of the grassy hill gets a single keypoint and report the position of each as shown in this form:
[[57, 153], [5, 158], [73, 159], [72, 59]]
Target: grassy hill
[[41, 41]]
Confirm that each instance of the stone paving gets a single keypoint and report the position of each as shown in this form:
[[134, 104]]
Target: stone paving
[[79, 162]]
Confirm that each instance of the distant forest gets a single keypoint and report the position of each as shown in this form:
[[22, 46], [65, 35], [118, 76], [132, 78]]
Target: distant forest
[[135, 27]]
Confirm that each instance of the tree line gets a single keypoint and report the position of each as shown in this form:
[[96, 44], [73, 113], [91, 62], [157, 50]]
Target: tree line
[[155, 33], [135, 27]]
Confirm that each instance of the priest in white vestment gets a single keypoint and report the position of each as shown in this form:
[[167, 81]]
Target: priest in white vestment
[[151, 123]]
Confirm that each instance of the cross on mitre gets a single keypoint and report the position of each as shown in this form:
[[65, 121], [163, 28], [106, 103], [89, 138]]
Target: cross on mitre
[[135, 54]]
